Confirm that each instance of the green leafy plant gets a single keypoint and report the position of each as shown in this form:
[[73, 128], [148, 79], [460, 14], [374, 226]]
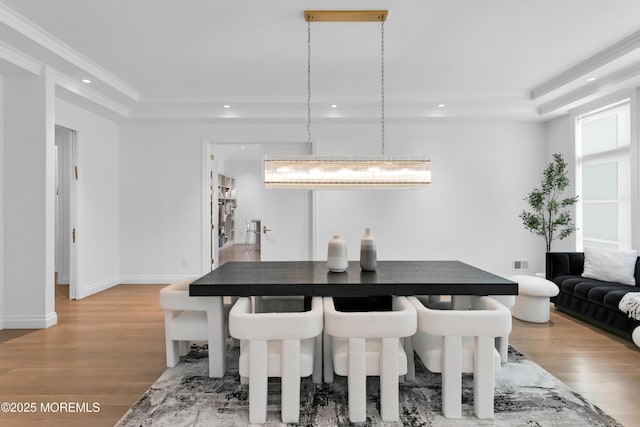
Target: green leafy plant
[[551, 216]]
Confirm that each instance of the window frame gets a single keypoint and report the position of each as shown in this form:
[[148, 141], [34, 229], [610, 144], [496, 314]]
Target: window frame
[[622, 154]]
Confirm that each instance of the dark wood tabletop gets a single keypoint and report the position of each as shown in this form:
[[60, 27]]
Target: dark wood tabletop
[[313, 278]]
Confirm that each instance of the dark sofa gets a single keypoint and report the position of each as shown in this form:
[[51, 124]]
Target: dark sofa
[[591, 300]]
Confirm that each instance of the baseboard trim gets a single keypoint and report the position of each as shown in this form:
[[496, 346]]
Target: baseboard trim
[[153, 280], [20, 321]]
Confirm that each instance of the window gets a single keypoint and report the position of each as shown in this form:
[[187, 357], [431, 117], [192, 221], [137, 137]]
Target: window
[[603, 178]]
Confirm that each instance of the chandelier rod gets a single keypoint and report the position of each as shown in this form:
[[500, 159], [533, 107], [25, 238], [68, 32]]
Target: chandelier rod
[[309, 86], [382, 82]]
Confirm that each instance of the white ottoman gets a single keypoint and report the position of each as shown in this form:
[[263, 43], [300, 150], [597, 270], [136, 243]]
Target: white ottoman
[[635, 336], [532, 301]]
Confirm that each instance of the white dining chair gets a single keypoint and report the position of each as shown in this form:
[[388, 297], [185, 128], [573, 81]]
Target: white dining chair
[[463, 302], [189, 319], [453, 342], [275, 344], [368, 343]]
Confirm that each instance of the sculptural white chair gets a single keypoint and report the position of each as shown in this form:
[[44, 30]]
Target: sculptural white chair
[[275, 345], [463, 302], [457, 341], [190, 319], [290, 303], [502, 343], [635, 336], [367, 343]]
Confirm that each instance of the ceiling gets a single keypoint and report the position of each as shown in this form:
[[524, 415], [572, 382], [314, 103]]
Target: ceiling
[[168, 59]]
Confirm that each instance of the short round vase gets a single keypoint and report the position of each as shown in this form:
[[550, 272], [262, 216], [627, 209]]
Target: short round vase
[[337, 260]]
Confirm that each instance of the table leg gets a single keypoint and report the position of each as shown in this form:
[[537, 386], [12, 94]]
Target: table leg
[[216, 330]]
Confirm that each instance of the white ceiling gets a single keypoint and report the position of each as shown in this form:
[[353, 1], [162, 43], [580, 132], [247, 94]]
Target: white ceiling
[[524, 59]]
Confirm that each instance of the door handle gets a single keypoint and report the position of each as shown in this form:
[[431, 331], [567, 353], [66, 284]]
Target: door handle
[[265, 229]]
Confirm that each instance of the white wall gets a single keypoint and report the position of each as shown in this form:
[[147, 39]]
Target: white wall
[[28, 199], [2, 190], [160, 200], [561, 139], [98, 201], [481, 173]]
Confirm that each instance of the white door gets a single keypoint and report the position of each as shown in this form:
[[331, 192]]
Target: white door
[[286, 216], [209, 209], [66, 202]]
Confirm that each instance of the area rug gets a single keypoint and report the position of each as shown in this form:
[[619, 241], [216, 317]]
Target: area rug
[[525, 395]]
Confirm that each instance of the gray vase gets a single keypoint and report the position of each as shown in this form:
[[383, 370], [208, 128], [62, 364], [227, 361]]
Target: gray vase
[[368, 261]]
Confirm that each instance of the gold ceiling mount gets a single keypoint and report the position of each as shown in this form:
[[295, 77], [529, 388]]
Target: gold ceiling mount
[[345, 15]]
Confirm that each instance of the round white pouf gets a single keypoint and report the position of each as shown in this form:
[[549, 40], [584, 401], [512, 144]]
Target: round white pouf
[[635, 336], [532, 301]]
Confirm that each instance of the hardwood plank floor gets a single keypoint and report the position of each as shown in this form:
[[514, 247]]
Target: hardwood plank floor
[[602, 367], [109, 348]]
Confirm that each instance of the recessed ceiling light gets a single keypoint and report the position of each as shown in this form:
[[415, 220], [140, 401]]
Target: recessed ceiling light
[[242, 148], [334, 106], [592, 79], [87, 81], [227, 106], [440, 105]]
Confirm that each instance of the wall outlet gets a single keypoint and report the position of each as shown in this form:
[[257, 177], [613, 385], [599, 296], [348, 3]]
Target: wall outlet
[[520, 265], [185, 262]]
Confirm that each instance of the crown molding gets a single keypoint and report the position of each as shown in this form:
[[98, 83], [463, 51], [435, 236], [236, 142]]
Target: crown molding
[[628, 76], [96, 97], [19, 59], [589, 65], [515, 106], [30, 30]]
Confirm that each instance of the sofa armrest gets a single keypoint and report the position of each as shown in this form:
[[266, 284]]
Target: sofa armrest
[[564, 264]]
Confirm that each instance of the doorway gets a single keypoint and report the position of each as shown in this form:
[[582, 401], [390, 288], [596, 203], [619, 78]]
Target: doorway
[[267, 224], [65, 256]]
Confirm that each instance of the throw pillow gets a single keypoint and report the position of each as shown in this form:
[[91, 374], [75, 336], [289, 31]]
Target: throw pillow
[[610, 265]]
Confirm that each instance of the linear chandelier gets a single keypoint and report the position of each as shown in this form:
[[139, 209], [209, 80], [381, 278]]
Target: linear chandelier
[[346, 172]]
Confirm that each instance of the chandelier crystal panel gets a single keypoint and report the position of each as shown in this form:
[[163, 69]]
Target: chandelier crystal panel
[[346, 171]]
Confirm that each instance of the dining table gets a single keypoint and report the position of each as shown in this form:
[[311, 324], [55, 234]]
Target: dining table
[[313, 278]]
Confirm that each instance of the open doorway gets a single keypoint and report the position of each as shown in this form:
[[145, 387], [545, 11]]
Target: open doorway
[[266, 226], [232, 204], [65, 259]]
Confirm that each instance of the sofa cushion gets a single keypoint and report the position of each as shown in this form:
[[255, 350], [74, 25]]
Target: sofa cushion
[[567, 284], [613, 297], [610, 265], [595, 291], [598, 294]]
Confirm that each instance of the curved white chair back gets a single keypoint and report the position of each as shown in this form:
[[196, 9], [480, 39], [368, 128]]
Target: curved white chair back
[[457, 341], [502, 343], [275, 345], [358, 344], [193, 319]]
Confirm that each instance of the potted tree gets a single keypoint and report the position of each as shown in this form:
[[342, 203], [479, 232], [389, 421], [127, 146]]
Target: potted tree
[[552, 214]]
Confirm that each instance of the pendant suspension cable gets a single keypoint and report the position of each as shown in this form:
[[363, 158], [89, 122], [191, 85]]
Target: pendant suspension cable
[[309, 86], [382, 82]]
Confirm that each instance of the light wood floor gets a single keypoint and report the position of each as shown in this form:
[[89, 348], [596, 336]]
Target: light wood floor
[[109, 348]]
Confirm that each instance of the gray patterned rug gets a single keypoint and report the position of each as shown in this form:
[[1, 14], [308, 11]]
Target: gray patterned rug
[[526, 395]]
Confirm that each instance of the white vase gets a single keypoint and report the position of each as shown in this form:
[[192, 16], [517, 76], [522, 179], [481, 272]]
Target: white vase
[[337, 260], [368, 261]]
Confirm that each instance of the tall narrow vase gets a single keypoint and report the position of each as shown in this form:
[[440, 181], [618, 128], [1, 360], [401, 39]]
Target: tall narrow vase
[[337, 259], [368, 261]]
